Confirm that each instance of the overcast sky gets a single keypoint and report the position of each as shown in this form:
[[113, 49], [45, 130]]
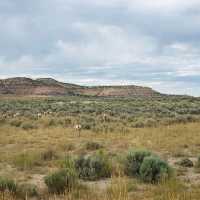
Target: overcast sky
[[153, 43]]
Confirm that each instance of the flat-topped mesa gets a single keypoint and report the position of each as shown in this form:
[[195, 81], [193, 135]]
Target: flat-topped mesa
[[52, 87], [119, 91]]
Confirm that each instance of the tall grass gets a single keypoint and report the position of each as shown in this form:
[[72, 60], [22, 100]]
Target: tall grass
[[120, 188]]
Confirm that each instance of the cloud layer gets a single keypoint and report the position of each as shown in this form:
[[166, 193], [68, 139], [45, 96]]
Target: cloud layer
[[152, 43]]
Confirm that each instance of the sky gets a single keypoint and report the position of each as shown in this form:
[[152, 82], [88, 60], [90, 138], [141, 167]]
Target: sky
[[153, 43]]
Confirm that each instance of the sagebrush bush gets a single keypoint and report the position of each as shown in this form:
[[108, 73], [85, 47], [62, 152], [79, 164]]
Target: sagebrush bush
[[16, 123], [61, 181], [28, 126], [133, 161], [93, 167], [153, 170], [93, 146], [7, 185]]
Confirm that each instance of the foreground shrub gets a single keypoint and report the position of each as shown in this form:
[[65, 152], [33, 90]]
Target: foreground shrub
[[134, 161], [153, 170], [93, 167], [61, 181], [7, 185]]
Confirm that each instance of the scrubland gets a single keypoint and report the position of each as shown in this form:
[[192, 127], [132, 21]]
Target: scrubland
[[127, 149]]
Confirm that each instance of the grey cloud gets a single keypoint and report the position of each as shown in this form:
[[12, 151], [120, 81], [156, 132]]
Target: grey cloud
[[154, 43]]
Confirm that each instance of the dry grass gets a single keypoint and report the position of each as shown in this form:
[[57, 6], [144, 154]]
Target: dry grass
[[168, 142]]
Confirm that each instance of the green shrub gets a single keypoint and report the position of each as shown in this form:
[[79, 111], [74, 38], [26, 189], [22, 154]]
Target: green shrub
[[16, 123], [93, 146], [28, 126], [7, 185], [61, 181], [153, 170], [93, 167], [134, 161]]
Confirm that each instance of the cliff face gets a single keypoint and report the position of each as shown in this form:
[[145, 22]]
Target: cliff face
[[47, 86], [119, 91]]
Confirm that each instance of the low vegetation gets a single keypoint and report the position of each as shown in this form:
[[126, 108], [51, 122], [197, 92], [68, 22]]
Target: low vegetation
[[93, 146], [153, 170], [133, 162], [146, 166], [43, 156], [61, 181], [93, 167], [26, 161], [25, 191], [7, 185]]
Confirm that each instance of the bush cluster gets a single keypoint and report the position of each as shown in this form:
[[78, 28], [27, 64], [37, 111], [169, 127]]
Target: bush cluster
[[153, 170], [64, 179], [61, 181], [134, 161], [145, 165], [21, 191], [93, 167], [142, 164]]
